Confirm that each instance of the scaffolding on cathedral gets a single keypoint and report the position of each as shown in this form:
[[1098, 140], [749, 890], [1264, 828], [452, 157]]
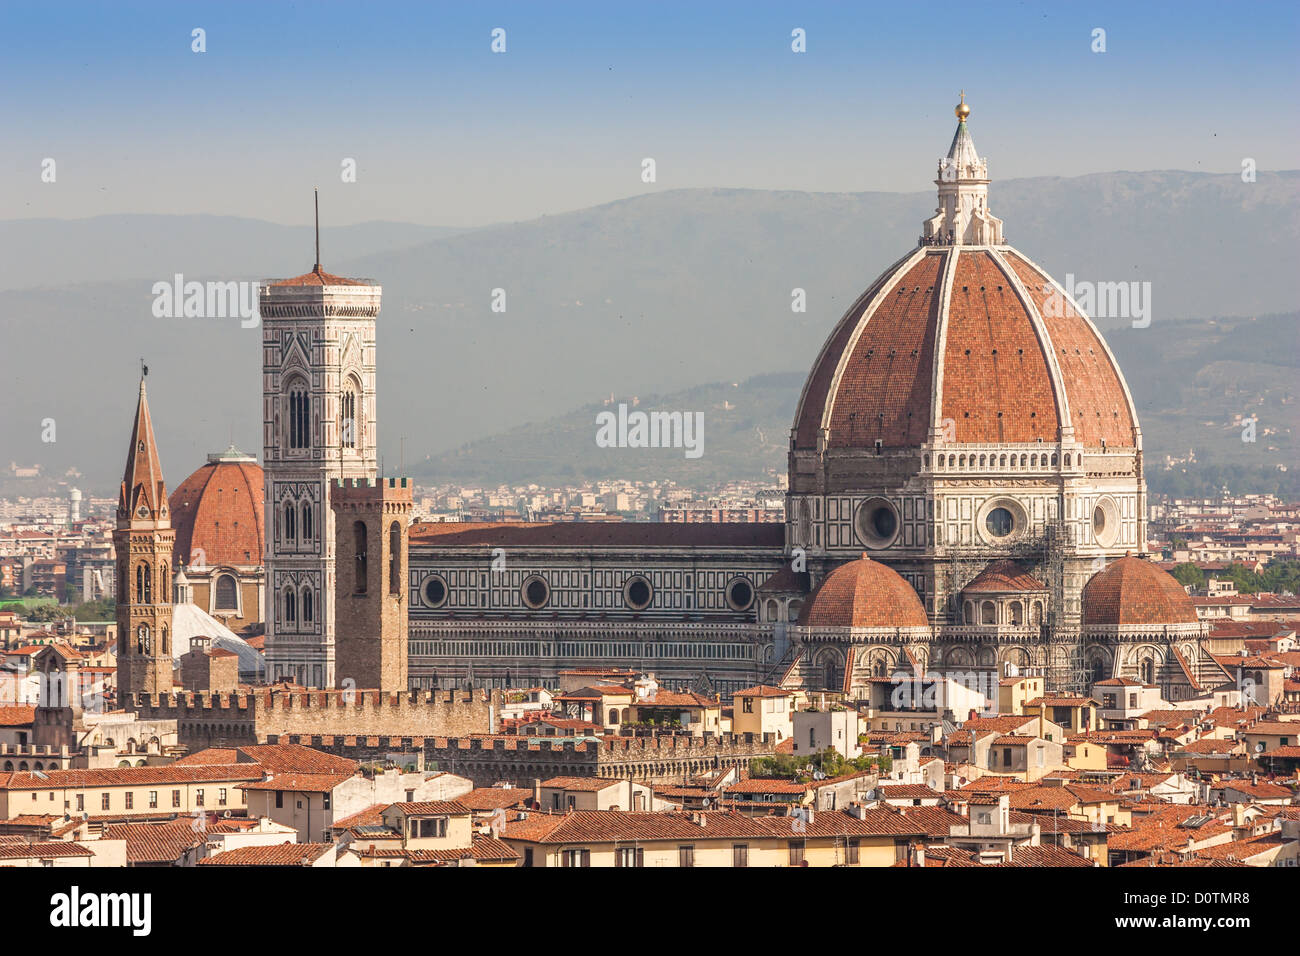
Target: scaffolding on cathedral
[[1042, 551]]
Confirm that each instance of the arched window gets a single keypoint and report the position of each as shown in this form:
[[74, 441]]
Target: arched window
[[1148, 670], [1098, 669], [299, 414], [148, 585], [290, 606], [394, 558], [1017, 613], [988, 613], [290, 521], [359, 545], [143, 643], [348, 419], [307, 609], [166, 644], [227, 593], [307, 532], [139, 584]]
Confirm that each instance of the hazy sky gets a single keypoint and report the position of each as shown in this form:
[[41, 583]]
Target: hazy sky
[[445, 132]]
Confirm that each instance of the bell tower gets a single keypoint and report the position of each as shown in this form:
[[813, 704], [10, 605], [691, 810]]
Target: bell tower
[[318, 426], [143, 541]]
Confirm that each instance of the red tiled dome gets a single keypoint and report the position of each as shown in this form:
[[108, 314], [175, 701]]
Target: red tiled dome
[[218, 510], [1004, 365], [1000, 577], [1134, 592], [863, 593]]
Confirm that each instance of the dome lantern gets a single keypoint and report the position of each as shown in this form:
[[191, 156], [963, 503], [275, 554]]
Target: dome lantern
[[962, 216]]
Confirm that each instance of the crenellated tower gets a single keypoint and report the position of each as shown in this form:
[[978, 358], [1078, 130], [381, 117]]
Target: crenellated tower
[[371, 606]]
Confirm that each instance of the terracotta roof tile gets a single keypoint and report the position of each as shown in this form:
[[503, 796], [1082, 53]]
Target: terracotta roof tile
[[285, 854]]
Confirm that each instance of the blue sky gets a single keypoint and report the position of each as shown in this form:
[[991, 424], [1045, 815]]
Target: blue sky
[[446, 132]]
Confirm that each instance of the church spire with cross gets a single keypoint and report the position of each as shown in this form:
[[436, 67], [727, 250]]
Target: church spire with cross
[[143, 542], [143, 494], [962, 216]]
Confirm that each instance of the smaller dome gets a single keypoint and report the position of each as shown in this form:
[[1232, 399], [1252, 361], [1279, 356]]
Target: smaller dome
[[217, 513], [1133, 592], [1000, 577], [863, 593]]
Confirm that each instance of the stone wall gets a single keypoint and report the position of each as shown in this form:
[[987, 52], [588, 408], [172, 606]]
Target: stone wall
[[521, 761], [208, 720]]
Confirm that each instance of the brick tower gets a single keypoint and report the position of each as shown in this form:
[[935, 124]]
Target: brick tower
[[371, 524], [143, 540]]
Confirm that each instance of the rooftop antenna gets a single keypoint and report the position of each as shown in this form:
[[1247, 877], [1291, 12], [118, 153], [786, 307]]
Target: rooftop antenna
[[316, 190]]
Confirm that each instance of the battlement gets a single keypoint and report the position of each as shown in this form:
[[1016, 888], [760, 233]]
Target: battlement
[[492, 758], [367, 491], [208, 718], [271, 699]]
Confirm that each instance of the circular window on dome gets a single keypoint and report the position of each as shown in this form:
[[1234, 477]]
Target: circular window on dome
[[1105, 522], [740, 594], [877, 522], [637, 593], [535, 592], [1001, 519], [435, 591]]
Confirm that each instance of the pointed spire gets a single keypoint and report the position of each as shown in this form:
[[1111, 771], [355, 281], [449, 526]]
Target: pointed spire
[[142, 481]]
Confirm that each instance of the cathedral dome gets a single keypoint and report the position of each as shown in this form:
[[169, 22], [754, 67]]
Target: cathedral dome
[[963, 340], [863, 593], [1133, 592], [217, 513]]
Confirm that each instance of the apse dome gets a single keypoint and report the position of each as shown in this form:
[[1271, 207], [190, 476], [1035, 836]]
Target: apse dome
[[863, 593], [1132, 592]]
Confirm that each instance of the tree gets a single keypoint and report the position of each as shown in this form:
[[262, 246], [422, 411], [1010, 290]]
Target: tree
[[1189, 575], [95, 611], [44, 613]]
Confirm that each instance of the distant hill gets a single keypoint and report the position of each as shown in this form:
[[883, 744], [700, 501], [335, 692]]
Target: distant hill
[[650, 295], [45, 253], [745, 436], [1193, 382]]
